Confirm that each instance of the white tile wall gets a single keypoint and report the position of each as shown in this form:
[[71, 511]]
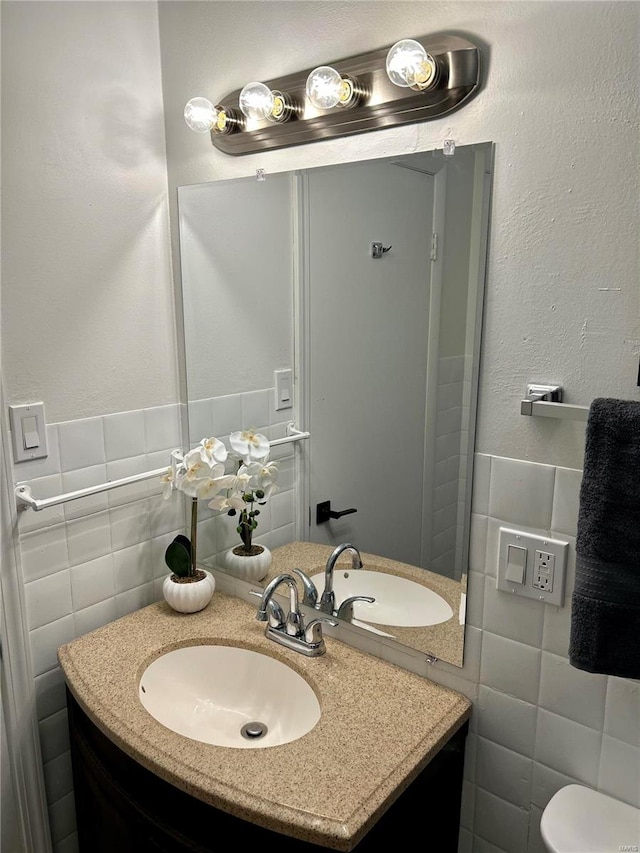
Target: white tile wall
[[537, 723], [90, 561], [448, 462], [541, 724], [619, 773], [521, 492]]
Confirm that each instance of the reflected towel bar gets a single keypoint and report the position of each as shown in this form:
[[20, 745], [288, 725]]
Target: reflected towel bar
[[293, 434], [546, 401], [25, 500]]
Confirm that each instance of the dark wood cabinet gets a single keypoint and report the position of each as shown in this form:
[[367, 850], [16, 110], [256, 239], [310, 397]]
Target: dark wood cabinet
[[124, 808]]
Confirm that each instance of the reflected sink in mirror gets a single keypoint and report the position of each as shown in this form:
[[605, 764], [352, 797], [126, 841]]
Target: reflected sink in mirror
[[415, 607], [228, 696], [398, 601]]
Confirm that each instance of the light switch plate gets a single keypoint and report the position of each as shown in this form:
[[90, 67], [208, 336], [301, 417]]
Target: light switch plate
[[28, 432], [546, 566], [283, 380]]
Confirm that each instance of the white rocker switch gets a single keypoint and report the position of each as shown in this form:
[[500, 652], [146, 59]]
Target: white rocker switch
[[30, 437], [283, 380], [516, 564], [28, 432]]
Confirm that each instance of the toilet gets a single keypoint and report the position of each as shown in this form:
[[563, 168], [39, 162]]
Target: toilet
[[580, 820]]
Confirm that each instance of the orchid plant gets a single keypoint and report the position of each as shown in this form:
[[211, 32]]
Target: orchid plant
[[202, 474]]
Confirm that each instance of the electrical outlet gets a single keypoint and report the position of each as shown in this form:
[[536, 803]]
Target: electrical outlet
[[532, 566], [543, 571]]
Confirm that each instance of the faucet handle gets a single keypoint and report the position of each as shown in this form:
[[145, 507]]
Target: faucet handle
[[345, 611], [310, 596], [313, 631], [273, 614]]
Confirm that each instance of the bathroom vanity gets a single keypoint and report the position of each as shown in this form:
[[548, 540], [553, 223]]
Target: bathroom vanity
[[385, 758]]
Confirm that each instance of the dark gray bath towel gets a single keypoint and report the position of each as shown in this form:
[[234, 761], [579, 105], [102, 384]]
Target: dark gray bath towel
[[605, 606]]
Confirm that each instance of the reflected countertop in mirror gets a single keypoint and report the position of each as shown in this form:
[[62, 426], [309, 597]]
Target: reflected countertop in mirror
[[443, 640]]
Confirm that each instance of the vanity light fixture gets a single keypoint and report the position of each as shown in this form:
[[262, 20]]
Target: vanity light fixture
[[200, 115], [259, 102], [203, 117], [411, 81], [326, 88], [410, 66]]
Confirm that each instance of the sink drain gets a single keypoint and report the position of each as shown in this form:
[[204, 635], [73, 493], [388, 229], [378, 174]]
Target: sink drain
[[253, 731]]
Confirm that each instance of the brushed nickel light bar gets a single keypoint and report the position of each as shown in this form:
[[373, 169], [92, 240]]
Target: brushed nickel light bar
[[408, 82]]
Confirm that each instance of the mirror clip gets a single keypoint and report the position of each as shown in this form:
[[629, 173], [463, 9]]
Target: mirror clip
[[378, 250]]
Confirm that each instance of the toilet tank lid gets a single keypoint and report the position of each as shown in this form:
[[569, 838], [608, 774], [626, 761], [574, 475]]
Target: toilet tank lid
[[580, 820]]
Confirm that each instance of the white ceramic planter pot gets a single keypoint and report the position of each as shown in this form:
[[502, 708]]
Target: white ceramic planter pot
[[189, 597], [252, 568]]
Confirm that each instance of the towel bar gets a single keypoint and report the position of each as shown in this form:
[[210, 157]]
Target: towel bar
[[25, 500], [546, 401], [293, 434]]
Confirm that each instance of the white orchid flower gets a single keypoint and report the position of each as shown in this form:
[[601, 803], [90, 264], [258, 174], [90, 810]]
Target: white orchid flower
[[172, 474], [249, 444], [216, 483], [194, 464], [268, 475], [259, 475], [192, 473], [268, 491], [242, 480], [261, 478], [226, 502], [168, 478], [212, 450]]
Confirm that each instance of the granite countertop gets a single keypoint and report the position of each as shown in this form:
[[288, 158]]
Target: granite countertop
[[380, 724], [445, 640]]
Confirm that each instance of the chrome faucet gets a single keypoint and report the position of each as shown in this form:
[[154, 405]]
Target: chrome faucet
[[328, 598], [290, 631]]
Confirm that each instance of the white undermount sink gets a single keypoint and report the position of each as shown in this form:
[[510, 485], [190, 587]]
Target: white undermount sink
[[398, 601], [228, 696]]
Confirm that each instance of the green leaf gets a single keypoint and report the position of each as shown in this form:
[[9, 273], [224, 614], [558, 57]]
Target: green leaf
[[178, 556], [184, 540]]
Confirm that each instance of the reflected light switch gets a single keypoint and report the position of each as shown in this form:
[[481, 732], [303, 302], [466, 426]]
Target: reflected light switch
[[516, 564], [283, 380]]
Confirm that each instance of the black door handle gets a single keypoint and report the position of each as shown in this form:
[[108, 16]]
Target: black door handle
[[325, 513]]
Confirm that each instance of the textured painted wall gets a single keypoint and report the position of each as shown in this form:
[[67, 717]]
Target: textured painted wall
[[87, 305], [562, 299]]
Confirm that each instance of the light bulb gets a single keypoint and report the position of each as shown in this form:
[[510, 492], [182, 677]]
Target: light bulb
[[410, 66], [200, 115], [325, 87], [256, 101]]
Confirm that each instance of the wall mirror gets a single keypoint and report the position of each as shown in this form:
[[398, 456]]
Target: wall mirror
[[366, 280]]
